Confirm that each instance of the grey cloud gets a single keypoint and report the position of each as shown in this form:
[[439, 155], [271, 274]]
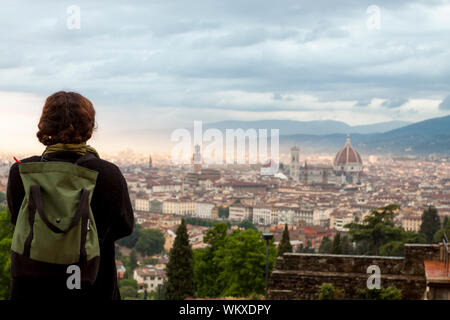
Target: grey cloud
[[394, 103], [445, 104], [167, 53], [363, 103]]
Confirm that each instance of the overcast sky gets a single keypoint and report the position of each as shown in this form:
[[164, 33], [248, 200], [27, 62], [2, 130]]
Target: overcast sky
[[161, 64]]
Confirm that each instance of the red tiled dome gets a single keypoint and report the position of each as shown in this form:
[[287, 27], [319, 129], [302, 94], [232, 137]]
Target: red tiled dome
[[347, 155]]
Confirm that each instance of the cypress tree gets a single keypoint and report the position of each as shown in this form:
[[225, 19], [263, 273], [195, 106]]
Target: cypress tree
[[285, 243], [309, 248], [325, 245], [430, 223], [446, 222], [180, 272], [337, 247]]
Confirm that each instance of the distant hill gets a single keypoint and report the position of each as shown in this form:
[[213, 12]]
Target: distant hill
[[318, 127], [421, 138], [396, 137]]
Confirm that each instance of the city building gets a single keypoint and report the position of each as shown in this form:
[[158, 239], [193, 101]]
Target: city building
[[149, 278], [239, 212], [411, 222], [142, 204], [204, 210], [262, 215]]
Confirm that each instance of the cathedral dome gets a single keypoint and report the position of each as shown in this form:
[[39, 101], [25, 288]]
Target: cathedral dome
[[347, 157]]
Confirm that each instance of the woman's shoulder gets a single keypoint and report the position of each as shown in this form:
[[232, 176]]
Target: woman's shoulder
[[15, 166], [31, 159], [103, 166]]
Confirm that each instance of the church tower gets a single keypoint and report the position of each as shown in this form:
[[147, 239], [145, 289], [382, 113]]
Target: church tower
[[197, 159], [295, 163]]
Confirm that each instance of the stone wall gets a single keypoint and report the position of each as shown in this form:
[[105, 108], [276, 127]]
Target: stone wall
[[300, 275]]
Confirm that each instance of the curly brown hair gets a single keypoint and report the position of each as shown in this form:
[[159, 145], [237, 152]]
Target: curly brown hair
[[67, 117]]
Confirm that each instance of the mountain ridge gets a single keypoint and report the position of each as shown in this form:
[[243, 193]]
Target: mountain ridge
[[420, 138], [314, 127]]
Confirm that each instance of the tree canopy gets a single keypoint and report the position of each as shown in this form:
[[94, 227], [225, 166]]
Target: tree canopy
[[430, 224], [132, 239], [246, 224], [150, 242], [377, 234], [439, 235], [325, 245], [231, 265], [224, 212]]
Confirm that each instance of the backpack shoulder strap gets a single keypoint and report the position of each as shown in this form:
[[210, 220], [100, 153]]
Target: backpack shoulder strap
[[88, 156]]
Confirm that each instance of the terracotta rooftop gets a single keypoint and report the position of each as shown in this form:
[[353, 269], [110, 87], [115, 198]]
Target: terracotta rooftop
[[435, 272]]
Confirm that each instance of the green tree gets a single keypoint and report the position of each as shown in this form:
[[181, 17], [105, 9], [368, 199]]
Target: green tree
[[6, 232], [160, 291], [446, 222], [307, 249], [246, 224], [285, 243], [203, 222], [439, 235], [128, 292], [128, 283], [206, 266], [133, 261], [132, 239], [325, 245], [151, 241], [242, 260], [336, 248], [224, 212], [180, 271], [2, 196], [430, 223], [392, 248], [376, 230], [396, 248], [346, 245]]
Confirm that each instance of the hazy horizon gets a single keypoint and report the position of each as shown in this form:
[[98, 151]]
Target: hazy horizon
[[114, 142]]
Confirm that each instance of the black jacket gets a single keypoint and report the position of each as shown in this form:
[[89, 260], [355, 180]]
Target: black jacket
[[114, 220]]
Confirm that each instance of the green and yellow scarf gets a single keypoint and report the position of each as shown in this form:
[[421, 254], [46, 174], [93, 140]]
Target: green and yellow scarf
[[80, 148]]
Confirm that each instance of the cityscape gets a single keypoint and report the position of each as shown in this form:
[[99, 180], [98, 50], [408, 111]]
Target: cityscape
[[314, 196]]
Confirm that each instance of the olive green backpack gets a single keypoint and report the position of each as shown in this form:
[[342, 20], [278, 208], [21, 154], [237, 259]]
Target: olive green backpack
[[55, 227]]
